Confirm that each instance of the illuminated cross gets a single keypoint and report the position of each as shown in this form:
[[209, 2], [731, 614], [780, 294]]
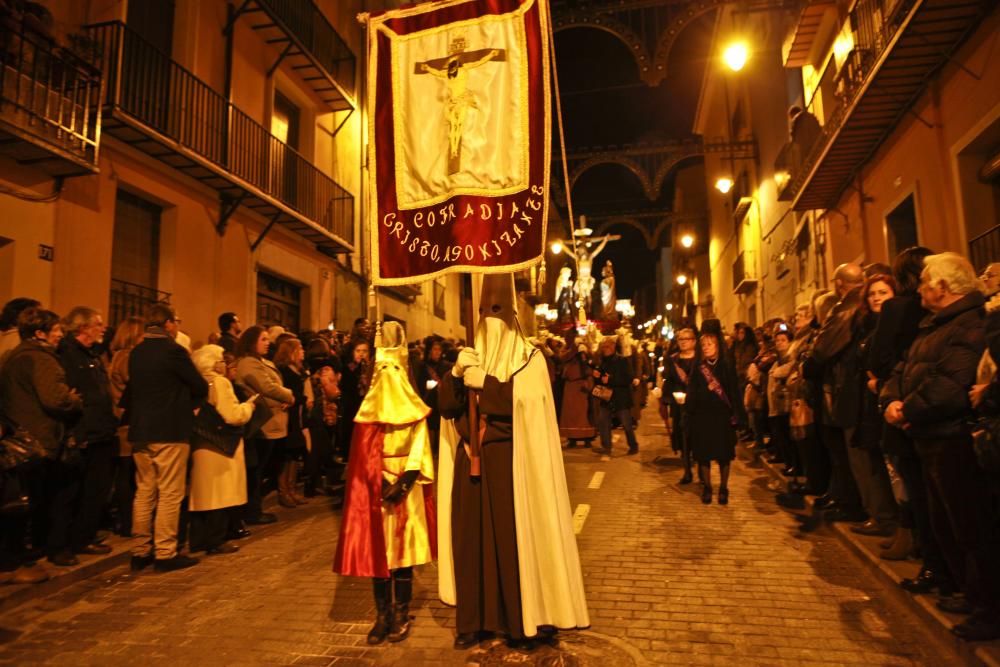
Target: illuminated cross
[[454, 69]]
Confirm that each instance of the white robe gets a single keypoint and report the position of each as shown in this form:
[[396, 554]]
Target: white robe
[[549, 562]]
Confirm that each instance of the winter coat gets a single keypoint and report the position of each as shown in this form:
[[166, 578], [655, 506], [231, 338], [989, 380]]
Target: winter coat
[[35, 395], [263, 377], [163, 391], [898, 325], [619, 372], [934, 378], [832, 362], [86, 372]]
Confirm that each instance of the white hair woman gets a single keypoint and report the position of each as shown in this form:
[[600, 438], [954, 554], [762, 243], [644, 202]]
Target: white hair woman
[[218, 472]]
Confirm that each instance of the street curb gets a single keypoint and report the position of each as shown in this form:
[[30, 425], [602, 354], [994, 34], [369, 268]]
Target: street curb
[[13, 596], [937, 623]]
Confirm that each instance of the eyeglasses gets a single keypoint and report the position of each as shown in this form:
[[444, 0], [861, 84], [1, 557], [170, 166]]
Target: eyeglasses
[[685, 338]]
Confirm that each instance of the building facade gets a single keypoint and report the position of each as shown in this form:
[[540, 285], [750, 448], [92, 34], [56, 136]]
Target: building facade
[[201, 152], [875, 125]]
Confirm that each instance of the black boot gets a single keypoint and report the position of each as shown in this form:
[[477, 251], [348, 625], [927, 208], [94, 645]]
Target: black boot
[[383, 609], [402, 580]]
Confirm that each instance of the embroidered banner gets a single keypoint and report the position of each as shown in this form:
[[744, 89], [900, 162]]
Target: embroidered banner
[[458, 145]]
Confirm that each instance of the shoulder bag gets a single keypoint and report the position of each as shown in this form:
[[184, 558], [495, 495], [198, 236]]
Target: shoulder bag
[[211, 430]]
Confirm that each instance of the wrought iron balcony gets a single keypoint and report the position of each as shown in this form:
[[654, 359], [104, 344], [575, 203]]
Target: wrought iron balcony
[[50, 102], [898, 46], [159, 107], [128, 299], [314, 49]]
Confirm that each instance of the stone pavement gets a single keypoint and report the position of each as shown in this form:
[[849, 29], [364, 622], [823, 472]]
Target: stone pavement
[[669, 581]]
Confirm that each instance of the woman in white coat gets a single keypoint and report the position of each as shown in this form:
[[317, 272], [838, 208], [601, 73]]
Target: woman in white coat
[[218, 482]]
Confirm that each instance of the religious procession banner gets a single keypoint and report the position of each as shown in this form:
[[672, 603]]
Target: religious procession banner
[[458, 146]]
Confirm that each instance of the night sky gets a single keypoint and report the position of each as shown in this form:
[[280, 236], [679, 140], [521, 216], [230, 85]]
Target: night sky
[[605, 103]]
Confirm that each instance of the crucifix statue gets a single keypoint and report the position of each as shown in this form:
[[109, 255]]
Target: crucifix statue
[[584, 266], [454, 70]]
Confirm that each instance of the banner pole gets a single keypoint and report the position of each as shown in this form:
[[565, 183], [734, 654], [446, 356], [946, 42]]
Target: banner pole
[[475, 468], [562, 136]]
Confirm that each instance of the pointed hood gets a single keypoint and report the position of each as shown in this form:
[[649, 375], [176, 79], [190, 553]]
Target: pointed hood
[[503, 349], [391, 398]]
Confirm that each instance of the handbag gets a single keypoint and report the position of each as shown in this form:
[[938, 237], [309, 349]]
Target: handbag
[[800, 419], [986, 443], [212, 430], [602, 392], [18, 447]]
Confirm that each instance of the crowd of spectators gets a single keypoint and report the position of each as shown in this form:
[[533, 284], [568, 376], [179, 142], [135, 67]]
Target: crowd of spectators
[[878, 398], [130, 432]]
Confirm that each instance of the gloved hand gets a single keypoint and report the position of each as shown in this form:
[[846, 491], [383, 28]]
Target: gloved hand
[[467, 358], [395, 493], [475, 377]]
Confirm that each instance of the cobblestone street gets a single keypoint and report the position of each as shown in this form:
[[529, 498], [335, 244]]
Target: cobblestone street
[[669, 581]]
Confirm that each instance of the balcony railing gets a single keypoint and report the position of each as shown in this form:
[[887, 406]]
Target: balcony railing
[[190, 126], [307, 22], [128, 299], [50, 101], [898, 45], [985, 248]]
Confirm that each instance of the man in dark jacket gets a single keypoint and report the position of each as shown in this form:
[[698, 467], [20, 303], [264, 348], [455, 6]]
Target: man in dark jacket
[[34, 394], [163, 394], [616, 372], [927, 396], [838, 371], [229, 330], [95, 430]]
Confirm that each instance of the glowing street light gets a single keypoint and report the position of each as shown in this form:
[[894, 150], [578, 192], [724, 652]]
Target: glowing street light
[[556, 247], [724, 184], [682, 279], [736, 55], [687, 240], [670, 306]]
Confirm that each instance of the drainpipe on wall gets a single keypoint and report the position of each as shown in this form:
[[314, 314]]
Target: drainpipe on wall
[[865, 244]]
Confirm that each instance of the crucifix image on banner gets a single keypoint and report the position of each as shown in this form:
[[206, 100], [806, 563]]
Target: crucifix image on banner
[[454, 71], [464, 130]]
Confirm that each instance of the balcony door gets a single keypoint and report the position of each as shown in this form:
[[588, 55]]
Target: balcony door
[[146, 63], [135, 257], [285, 126]]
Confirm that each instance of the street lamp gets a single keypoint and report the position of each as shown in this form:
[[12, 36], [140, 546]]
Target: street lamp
[[724, 184], [556, 247], [682, 279], [735, 56], [687, 240], [670, 306]]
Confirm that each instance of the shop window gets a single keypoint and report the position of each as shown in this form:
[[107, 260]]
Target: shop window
[[135, 257]]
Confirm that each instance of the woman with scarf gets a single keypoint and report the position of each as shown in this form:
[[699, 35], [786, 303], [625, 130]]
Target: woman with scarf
[[678, 371], [388, 524], [218, 481], [712, 407]]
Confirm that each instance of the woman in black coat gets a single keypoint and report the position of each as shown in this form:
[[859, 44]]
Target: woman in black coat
[[712, 407], [897, 327]]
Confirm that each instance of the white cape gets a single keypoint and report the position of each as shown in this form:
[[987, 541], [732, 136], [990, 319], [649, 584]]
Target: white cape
[[551, 579]]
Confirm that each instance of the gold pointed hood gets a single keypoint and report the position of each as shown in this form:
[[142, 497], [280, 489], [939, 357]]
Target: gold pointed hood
[[391, 398]]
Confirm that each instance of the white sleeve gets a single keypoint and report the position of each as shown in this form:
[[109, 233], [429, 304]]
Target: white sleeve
[[232, 411]]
